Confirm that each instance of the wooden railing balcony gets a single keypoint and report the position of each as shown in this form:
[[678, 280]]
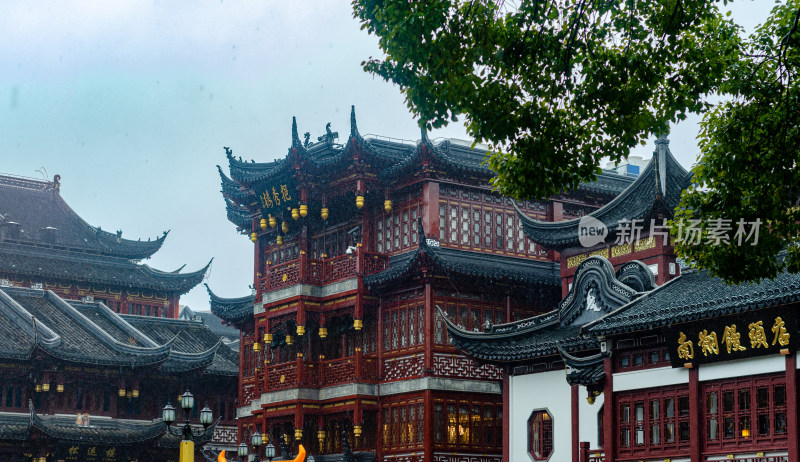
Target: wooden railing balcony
[[590, 455], [321, 271], [323, 373]]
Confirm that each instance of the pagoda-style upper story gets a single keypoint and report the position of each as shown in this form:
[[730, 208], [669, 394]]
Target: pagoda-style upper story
[[324, 198], [45, 244], [34, 214]]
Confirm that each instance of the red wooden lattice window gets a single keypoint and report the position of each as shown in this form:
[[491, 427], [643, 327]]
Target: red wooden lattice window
[[403, 425], [403, 325], [397, 230], [744, 413], [467, 425], [540, 435], [484, 222], [653, 421], [643, 359]]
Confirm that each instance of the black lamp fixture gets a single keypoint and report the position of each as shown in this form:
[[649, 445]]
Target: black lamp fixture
[[269, 452], [187, 404], [256, 441]]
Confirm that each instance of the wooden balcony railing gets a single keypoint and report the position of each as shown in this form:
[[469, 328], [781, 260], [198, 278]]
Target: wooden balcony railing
[[321, 374], [590, 455], [323, 271]]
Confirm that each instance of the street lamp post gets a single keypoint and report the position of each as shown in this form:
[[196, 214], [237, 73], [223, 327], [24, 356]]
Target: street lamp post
[[186, 433], [256, 440], [242, 451]]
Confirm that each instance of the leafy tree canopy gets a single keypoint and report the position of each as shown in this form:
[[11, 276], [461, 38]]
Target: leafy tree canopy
[[553, 86]]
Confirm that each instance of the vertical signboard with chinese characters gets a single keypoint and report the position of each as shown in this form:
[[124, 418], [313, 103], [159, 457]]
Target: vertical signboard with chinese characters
[[277, 196], [754, 333]]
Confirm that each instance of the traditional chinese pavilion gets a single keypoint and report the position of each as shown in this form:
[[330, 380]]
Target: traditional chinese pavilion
[[89, 350], [45, 244], [79, 382], [642, 360], [354, 245]]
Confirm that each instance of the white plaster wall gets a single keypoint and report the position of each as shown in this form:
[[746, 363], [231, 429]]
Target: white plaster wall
[[545, 390], [587, 414], [741, 367], [648, 378]]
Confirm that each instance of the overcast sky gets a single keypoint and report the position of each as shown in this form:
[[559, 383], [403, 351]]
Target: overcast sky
[[131, 102]]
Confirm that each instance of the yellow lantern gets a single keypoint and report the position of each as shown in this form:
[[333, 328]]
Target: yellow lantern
[[387, 205], [253, 237], [289, 340], [267, 338], [38, 388], [295, 214], [121, 392], [263, 223], [298, 433], [321, 436], [272, 221], [358, 324], [45, 387], [279, 240], [135, 393], [301, 330], [359, 201], [323, 332], [303, 210], [256, 346], [285, 227], [60, 388], [357, 430], [324, 213]]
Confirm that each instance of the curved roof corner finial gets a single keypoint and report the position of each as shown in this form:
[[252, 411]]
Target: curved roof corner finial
[[228, 152], [296, 143], [353, 126], [663, 139]]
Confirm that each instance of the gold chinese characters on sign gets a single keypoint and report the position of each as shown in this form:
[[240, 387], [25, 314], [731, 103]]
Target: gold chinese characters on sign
[[707, 341], [273, 197]]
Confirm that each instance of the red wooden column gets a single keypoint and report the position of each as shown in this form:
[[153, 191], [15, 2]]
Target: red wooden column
[[509, 314], [609, 424], [576, 437], [791, 406], [428, 433], [506, 414], [430, 211], [428, 360], [694, 415]]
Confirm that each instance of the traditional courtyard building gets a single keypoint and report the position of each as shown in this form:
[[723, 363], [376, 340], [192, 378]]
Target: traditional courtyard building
[[45, 244], [78, 382], [86, 329], [642, 360], [355, 244]]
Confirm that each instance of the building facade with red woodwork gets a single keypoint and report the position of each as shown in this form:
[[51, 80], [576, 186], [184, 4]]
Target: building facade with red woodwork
[[643, 360], [90, 351], [355, 244]]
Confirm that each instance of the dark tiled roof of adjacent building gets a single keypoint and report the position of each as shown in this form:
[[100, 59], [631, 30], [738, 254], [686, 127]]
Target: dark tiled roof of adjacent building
[[212, 321], [90, 333], [54, 264], [656, 191], [196, 346], [693, 296], [33, 212], [19, 426], [232, 310]]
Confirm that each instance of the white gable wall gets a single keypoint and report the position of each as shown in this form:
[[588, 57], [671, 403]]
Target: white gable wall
[[544, 390]]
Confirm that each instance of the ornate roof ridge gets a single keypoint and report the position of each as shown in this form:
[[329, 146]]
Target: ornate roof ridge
[[661, 182], [232, 310], [116, 431]]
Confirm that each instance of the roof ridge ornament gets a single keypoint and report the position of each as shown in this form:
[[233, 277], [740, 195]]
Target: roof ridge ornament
[[353, 126], [296, 143], [662, 146]]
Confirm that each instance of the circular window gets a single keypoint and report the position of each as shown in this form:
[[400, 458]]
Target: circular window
[[540, 435]]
